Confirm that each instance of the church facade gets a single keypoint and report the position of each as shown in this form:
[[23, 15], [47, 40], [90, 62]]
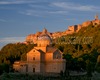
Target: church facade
[[43, 58]]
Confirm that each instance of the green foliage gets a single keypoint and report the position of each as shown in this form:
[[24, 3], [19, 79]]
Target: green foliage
[[79, 55], [5, 67], [13, 52], [98, 67], [82, 51], [1, 71], [15, 76]]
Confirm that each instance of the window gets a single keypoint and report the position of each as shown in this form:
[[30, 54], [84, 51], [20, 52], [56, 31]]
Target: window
[[33, 70], [33, 58], [33, 50], [95, 23], [56, 55]]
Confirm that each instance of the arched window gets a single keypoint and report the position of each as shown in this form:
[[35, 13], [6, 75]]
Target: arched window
[[56, 55]]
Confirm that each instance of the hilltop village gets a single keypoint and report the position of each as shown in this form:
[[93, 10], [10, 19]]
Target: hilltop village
[[32, 38]]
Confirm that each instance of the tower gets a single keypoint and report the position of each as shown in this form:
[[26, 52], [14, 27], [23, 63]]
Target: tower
[[96, 17]]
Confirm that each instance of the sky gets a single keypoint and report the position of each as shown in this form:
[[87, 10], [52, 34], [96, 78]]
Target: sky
[[19, 18]]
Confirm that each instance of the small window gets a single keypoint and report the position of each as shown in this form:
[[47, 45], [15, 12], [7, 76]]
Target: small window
[[33, 58], [56, 55], [33, 50], [95, 23]]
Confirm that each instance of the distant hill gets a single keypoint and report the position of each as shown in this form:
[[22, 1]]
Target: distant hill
[[32, 38]]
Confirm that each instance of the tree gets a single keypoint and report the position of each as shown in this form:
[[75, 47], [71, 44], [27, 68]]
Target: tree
[[11, 53], [89, 68], [68, 58]]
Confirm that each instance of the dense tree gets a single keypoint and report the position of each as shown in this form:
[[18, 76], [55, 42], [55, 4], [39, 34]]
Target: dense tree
[[13, 52], [86, 48]]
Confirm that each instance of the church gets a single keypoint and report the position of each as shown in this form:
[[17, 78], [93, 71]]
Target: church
[[43, 58]]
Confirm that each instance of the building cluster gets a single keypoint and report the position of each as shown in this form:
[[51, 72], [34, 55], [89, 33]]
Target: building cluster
[[32, 38]]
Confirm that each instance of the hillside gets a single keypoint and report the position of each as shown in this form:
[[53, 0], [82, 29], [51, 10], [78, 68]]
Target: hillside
[[84, 41], [81, 49]]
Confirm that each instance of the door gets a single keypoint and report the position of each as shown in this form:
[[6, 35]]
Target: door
[[33, 70]]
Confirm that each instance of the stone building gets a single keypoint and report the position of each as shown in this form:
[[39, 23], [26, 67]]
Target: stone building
[[86, 23], [79, 26], [43, 58], [96, 21], [72, 28]]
